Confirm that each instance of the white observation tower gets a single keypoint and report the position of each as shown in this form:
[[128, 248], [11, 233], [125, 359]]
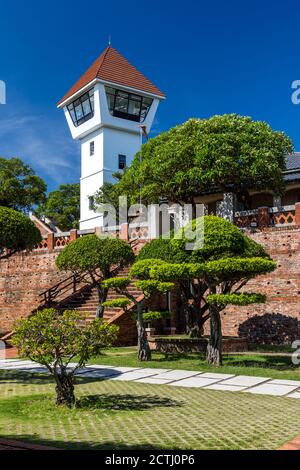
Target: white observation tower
[[104, 110]]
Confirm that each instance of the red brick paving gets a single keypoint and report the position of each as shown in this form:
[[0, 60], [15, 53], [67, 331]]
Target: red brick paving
[[11, 353], [7, 444], [292, 445]]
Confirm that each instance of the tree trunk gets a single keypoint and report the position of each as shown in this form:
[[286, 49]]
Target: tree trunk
[[102, 296], [144, 351], [194, 324], [214, 347], [65, 389]]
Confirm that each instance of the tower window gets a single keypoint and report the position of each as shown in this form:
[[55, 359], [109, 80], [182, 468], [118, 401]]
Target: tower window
[[122, 162], [127, 105], [82, 109], [92, 148], [91, 203]]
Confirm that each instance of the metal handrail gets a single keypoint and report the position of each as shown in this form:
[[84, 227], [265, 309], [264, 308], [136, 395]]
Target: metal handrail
[[49, 295]]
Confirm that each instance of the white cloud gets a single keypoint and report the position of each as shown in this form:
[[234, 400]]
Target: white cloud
[[42, 142]]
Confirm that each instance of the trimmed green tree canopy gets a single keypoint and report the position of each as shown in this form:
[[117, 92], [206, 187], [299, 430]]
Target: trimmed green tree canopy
[[213, 237], [17, 232], [90, 253], [210, 276], [230, 152]]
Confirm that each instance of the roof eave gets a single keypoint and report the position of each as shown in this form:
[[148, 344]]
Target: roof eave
[[64, 102]]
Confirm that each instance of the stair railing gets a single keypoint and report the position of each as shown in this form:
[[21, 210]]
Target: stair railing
[[68, 285]]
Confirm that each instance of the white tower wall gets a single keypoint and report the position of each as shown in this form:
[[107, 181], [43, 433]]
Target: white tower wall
[[111, 135]]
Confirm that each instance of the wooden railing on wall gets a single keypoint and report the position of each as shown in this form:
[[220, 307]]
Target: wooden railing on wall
[[269, 217], [258, 218]]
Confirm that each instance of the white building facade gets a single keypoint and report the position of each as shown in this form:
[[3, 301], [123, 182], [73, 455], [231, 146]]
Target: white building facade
[[105, 110]]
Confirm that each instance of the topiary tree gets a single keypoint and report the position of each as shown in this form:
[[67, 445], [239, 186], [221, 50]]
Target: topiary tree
[[229, 152], [17, 232], [148, 289], [55, 340], [99, 258], [215, 271]]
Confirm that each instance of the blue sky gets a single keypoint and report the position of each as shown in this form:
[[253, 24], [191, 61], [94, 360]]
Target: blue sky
[[208, 57]]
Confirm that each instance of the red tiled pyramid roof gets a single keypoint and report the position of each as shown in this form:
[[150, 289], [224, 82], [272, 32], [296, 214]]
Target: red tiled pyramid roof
[[111, 66]]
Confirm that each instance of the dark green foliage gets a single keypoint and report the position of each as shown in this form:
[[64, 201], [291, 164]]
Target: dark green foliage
[[211, 276], [17, 232], [220, 239], [141, 268], [99, 257], [20, 188], [234, 269], [117, 303], [236, 299], [62, 206], [156, 315], [151, 287], [117, 282], [164, 249], [229, 152], [90, 253]]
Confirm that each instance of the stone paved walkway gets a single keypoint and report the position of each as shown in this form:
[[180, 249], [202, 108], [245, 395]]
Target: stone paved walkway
[[176, 378]]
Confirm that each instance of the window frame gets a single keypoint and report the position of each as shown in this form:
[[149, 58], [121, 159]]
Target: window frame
[[92, 148], [130, 98], [88, 96], [91, 203], [122, 160]]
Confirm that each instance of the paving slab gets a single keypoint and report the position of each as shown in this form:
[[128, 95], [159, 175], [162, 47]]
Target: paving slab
[[27, 367], [211, 375], [294, 395], [153, 380], [7, 364], [296, 383], [98, 373], [245, 380], [7, 361], [271, 389], [133, 375], [177, 374], [193, 382], [94, 375], [122, 369], [104, 366], [226, 388], [155, 371]]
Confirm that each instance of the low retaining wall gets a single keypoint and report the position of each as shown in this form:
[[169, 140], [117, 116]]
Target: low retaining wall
[[194, 345]]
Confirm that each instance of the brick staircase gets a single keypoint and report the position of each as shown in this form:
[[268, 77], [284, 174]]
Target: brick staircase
[[85, 300]]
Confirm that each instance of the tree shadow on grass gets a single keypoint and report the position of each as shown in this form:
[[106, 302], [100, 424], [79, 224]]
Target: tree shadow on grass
[[265, 362], [175, 357], [125, 402], [21, 377], [76, 445]]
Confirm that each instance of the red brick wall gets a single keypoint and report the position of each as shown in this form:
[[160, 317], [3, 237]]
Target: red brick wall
[[22, 278], [279, 319]]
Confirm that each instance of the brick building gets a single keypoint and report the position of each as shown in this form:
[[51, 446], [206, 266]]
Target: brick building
[[30, 280]]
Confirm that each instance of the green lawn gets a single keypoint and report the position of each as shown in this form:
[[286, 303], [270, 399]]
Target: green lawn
[[256, 363], [128, 415]]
